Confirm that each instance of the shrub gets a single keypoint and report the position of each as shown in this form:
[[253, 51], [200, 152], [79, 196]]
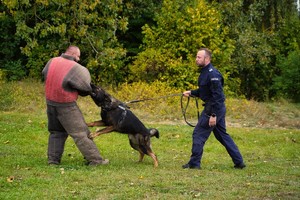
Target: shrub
[[14, 70], [159, 99], [287, 84], [171, 46]]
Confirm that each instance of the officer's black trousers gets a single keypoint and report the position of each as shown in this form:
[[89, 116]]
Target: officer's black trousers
[[201, 133]]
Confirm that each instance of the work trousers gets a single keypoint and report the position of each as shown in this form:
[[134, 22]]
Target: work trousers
[[201, 133], [65, 121]]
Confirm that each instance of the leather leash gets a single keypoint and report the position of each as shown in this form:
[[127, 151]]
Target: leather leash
[[148, 99], [183, 109]]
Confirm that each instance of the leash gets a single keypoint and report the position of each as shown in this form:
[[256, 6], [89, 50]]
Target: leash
[[148, 99], [183, 109]]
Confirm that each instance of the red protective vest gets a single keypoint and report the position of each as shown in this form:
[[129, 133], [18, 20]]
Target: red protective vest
[[58, 70]]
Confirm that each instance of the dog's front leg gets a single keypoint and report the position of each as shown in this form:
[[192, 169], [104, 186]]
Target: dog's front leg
[[95, 123], [107, 129], [141, 156]]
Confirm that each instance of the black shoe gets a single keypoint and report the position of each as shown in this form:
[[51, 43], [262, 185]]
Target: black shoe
[[240, 166], [188, 166]]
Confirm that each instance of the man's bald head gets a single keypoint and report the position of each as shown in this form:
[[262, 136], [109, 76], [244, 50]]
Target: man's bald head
[[73, 51]]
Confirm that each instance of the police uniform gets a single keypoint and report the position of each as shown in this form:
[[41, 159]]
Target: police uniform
[[210, 90]]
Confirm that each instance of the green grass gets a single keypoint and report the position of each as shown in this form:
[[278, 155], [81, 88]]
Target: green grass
[[267, 134], [272, 158]]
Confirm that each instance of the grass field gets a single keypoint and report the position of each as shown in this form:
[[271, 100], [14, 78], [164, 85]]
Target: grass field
[[272, 158], [271, 155]]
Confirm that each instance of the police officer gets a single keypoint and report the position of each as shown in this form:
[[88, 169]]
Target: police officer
[[210, 83]]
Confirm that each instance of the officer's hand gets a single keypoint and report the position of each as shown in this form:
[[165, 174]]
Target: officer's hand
[[212, 121], [186, 93]]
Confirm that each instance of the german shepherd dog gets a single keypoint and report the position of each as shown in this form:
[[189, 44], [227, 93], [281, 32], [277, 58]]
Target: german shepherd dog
[[116, 116]]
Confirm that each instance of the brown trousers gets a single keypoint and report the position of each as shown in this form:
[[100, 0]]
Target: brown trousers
[[65, 121]]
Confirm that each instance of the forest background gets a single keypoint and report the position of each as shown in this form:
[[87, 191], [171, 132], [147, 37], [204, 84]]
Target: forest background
[[255, 43]]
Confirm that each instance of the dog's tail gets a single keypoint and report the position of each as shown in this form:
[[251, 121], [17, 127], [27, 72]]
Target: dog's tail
[[154, 132]]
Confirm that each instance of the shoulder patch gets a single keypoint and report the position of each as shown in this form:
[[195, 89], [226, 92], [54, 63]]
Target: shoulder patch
[[210, 70]]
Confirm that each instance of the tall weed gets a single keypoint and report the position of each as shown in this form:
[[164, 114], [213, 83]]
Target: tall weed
[[23, 96], [6, 97]]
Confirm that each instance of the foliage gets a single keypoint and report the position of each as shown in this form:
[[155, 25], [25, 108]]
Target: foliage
[[288, 83], [12, 63], [287, 36], [14, 70], [139, 13], [260, 30], [170, 47], [254, 60], [248, 39], [47, 27], [157, 99]]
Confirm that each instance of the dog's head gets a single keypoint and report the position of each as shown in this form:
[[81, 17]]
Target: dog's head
[[98, 95], [103, 99], [154, 132]]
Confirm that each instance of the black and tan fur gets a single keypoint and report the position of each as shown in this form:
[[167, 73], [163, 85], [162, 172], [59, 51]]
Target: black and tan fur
[[116, 116]]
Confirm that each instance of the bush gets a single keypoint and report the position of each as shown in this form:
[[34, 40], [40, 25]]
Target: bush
[[159, 99], [14, 70], [287, 84], [170, 47]]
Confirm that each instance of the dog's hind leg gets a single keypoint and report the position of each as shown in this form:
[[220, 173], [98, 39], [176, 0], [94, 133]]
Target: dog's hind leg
[[95, 123], [153, 156], [107, 129]]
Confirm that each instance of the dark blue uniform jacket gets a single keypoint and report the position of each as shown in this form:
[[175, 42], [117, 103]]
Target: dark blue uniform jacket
[[210, 83]]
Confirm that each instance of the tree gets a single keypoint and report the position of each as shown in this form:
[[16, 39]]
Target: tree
[[139, 13], [11, 60], [171, 46], [287, 84], [256, 28], [47, 27]]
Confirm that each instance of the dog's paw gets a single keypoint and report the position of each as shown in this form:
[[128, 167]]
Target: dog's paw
[[92, 135], [91, 124]]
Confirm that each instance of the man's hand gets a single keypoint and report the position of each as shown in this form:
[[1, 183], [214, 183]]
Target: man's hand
[[186, 93], [212, 121]]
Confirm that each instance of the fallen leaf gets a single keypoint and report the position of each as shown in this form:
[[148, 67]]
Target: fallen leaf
[[10, 179]]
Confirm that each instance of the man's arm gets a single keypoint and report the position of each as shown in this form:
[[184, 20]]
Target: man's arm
[[79, 79]]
